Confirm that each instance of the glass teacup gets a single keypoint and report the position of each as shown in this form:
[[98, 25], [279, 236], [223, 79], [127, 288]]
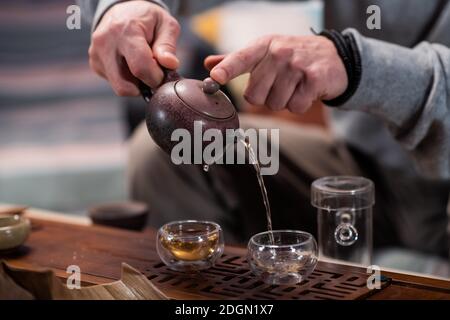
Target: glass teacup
[[190, 245], [282, 256]]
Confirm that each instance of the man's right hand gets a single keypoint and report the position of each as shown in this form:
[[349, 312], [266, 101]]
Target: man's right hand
[[131, 41]]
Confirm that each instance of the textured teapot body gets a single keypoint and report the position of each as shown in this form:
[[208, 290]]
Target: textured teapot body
[[167, 111]]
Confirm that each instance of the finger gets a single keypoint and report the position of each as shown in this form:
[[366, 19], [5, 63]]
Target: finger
[[301, 100], [120, 78], [260, 82], [98, 51], [165, 43], [140, 60], [211, 61], [240, 62], [283, 88], [97, 65]]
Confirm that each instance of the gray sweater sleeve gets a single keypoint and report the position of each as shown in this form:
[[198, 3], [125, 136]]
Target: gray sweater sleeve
[[93, 10], [410, 90]]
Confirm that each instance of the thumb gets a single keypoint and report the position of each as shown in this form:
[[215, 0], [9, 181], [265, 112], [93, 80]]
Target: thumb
[[211, 61], [165, 43]]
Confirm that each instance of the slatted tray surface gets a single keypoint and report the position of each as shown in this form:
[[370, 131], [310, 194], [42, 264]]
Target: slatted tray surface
[[231, 278]]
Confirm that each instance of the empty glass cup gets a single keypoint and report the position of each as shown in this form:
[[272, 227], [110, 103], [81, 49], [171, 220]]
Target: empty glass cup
[[190, 245], [282, 256], [344, 208]]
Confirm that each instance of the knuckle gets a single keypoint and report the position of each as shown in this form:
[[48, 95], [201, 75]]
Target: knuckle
[[121, 90], [130, 27], [137, 69], [227, 66], [116, 27], [139, 73], [168, 46], [242, 57], [174, 26], [296, 64], [313, 75], [280, 51], [98, 40]]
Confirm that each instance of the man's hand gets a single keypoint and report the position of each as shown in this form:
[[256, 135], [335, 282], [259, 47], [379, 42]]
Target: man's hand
[[285, 71], [132, 39]]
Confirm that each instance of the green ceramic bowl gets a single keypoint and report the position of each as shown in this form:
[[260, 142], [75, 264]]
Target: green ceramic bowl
[[14, 230]]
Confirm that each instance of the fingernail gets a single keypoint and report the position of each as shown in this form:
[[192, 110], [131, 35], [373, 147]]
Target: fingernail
[[219, 74]]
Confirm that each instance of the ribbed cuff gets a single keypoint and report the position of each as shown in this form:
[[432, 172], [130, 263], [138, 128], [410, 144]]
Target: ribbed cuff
[[349, 53]]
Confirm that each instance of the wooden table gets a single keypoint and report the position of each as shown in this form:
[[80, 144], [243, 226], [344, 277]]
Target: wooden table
[[99, 252]]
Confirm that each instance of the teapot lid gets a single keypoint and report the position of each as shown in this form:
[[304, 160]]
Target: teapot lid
[[215, 105]]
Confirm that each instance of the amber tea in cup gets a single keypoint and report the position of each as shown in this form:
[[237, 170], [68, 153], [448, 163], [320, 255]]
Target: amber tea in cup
[[190, 245]]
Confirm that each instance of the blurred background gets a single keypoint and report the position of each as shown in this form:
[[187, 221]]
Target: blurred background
[[62, 131]]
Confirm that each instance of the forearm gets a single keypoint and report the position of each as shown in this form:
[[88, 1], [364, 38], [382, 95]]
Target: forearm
[[410, 90]]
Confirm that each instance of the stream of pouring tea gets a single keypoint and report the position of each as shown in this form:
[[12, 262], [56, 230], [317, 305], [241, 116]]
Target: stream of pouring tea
[[254, 161]]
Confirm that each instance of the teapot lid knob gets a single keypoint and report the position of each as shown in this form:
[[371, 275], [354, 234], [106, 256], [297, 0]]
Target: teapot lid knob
[[210, 86], [205, 98]]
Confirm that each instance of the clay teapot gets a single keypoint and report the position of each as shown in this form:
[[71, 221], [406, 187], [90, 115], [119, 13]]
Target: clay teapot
[[178, 102]]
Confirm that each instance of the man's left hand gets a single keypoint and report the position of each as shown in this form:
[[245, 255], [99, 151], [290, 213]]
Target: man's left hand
[[285, 71]]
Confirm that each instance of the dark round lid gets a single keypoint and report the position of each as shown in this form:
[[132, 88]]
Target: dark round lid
[[216, 105]]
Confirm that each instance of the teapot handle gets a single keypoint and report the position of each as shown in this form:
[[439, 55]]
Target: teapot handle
[[169, 76]]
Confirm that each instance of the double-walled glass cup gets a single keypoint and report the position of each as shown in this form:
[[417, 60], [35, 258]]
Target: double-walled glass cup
[[282, 256], [190, 245], [344, 213]]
